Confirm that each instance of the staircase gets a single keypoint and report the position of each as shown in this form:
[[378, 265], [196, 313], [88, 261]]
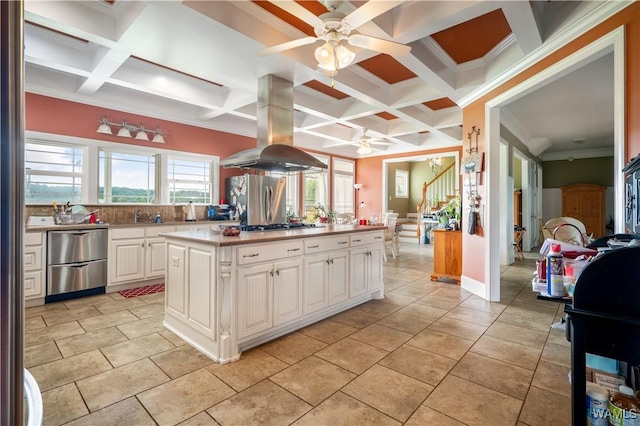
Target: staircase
[[435, 194]]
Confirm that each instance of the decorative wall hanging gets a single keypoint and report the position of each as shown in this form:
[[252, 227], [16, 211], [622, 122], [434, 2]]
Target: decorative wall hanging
[[473, 162]]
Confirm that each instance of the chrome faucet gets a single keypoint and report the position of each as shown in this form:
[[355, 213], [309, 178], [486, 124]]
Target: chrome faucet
[[137, 215]]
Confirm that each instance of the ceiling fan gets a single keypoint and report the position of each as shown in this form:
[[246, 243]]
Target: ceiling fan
[[334, 28], [364, 143]]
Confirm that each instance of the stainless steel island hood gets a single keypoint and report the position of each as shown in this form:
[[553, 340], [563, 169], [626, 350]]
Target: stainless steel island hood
[[275, 150]]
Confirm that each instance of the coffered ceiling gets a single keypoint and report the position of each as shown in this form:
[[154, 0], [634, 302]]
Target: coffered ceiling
[[197, 62]]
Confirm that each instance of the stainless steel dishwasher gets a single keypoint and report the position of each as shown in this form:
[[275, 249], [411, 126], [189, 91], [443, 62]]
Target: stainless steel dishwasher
[[76, 263]]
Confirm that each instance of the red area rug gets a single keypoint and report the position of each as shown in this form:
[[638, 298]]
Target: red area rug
[[142, 291]]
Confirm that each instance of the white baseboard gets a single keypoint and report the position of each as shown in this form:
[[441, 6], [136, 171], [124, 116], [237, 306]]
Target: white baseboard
[[476, 287]]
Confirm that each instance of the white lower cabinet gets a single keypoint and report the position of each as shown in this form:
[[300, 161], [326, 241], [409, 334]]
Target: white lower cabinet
[[326, 279], [366, 270], [34, 265], [268, 295], [338, 276]]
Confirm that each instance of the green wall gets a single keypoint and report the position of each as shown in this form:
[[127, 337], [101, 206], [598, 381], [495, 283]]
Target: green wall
[[398, 205], [557, 174]]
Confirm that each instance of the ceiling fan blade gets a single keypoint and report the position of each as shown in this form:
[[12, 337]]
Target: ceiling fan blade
[[299, 12], [368, 12], [380, 143], [288, 45], [333, 145], [379, 45]]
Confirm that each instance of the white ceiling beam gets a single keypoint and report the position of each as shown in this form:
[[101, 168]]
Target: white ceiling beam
[[523, 24]]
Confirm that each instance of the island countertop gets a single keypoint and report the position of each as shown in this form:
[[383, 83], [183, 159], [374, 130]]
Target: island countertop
[[216, 239]]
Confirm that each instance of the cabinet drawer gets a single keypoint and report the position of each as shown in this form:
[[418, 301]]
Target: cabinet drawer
[[33, 238], [32, 258], [262, 253], [366, 239], [317, 245], [125, 233], [154, 231]]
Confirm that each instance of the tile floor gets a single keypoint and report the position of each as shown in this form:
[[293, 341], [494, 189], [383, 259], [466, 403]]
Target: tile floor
[[428, 354]]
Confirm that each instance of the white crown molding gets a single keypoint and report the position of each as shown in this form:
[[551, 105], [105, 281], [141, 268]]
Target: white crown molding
[[580, 153], [593, 18], [500, 47], [440, 53], [514, 126]]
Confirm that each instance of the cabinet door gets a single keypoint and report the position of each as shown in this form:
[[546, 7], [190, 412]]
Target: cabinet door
[[126, 260], [338, 276], [316, 292], [156, 264], [33, 284], [287, 291], [358, 268], [374, 270], [255, 291]]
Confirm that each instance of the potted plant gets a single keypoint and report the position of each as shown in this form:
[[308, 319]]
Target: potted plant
[[291, 216]]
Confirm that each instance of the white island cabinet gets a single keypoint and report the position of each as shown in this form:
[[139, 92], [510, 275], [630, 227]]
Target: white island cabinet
[[228, 294]]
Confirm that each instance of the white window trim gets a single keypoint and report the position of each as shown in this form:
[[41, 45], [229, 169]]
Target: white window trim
[[403, 174], [340, 172], [213, 170]]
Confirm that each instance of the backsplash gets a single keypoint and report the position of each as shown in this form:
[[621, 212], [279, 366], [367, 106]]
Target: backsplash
[[119, 214]]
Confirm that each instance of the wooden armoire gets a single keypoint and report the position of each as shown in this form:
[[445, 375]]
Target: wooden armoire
[[585, 202]]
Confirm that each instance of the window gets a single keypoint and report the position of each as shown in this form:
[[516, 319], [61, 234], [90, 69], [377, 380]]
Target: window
[[343, 181], [53, 172], [189, 180], [292, 189], [402, 184], [316, 185], [126, 177]]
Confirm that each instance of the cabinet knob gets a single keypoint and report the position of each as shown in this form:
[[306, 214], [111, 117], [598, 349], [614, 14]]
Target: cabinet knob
[[271, 272]]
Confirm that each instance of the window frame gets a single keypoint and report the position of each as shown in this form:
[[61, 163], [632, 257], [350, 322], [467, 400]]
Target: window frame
[[325, 176], [401, 175], [350, 192]]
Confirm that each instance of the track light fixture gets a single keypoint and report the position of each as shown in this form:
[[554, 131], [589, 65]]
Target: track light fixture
[[125, 130]]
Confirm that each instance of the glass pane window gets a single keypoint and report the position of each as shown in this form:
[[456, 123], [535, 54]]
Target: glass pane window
[[316, 187], [402, 184], [126, 177], [343, 180], [53, 172], [189, 180]]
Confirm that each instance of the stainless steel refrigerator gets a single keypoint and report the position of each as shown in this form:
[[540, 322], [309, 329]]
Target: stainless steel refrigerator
[[258, 200]]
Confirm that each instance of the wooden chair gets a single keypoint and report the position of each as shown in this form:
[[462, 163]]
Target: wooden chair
[[390, 234], [517, 244]]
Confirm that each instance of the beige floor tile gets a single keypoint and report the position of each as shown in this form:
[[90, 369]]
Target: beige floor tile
[[478, 304], [108, 320], [200, 419], [517, 334], [293, 347], [381, 337], [119, 305], [86, 301], [352, 355], [441, 343], [437, 302], [426, 416], [153, 299], [386, 390], [133, 350], [262, 404], [512, 353], [558, 337], [146, 311], [180, 361], [49, 334], [35, 311], [405, 323], [552, 377], [410, 291], [526, 321], [419, 364], [253, 366], [184, 397], [473, 404], [41, 354], [143, 327], [557, 354], [33, 323], [67, 370], [126, 412], [114, 385], [59, 317], [542, 408], [472, 315], [327, 379], [458, 328], [328, 331], [399, 299], [454, 293], [342, 409], [497, 375], [423, 311], [355, 318], [172, 338], [378, 307], [61, 405], [89, 341]]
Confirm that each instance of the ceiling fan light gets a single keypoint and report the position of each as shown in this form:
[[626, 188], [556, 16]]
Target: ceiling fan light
[[364, 149], [325, 55], [344, 56]]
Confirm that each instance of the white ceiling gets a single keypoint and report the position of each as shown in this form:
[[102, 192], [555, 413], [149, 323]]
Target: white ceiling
[[217, 41]]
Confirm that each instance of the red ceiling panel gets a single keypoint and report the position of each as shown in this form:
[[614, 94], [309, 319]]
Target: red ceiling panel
[[323, 88], [441, 103], [387, 68]]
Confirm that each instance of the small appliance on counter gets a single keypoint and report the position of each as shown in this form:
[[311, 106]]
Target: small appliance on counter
[[258, 200], [191, 212], [219, 212]]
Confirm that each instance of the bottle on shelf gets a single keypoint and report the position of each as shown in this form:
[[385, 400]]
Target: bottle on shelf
[[158, 218], [624, 407], [555, 277]]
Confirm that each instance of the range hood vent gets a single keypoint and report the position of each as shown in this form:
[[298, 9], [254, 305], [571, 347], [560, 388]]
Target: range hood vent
[[275, 150]]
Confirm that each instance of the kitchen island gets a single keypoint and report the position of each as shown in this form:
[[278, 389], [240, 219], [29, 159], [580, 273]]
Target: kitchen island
[[226, 294]]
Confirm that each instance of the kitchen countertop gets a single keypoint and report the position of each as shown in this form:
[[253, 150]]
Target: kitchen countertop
[[41, 228], [216, 239]]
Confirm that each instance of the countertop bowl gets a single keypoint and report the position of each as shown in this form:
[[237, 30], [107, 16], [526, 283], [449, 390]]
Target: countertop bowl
[[230, 230]]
